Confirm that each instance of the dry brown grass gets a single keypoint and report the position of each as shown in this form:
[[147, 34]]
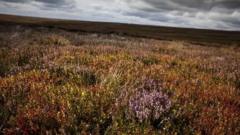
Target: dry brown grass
[[65, 82]]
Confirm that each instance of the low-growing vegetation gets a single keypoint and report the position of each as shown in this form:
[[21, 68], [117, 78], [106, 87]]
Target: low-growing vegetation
[[58, 82]]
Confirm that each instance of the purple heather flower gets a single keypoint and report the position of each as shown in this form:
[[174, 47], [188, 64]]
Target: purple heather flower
[[149, 101]]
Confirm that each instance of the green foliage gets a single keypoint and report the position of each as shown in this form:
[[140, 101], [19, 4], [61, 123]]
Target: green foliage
[[55, 40], [149, 60], [80, 77], [4, 68], [4, 62], [23, 59], [174, 122]]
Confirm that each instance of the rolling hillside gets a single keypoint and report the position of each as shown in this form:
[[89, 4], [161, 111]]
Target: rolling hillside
[[199, 36]]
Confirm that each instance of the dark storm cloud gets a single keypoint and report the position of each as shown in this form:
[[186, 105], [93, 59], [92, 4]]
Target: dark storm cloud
[[15, 1], [45, 2], [56, 3], [192, 4], [226, 12], [215, 14]]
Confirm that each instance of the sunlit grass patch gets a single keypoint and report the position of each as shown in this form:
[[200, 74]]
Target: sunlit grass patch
[[55, 40]]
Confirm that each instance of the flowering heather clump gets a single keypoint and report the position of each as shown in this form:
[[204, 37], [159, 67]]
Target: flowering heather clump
[[58, 82], [149, 102]]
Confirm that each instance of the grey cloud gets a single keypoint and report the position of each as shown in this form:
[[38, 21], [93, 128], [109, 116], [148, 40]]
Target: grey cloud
[[190, 10], [229, 4], [56, 2], [50, 3], [53, 1], [193, 4], [16, 1], [215, 14]]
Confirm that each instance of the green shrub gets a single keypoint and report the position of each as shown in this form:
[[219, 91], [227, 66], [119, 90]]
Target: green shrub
[[80, 77], [23, 59], [4, 62], [55, 40], [149, 60], [174, 122], [4, 68]]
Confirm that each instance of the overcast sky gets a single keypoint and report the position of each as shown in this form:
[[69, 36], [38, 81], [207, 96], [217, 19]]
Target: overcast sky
[[213, 14]]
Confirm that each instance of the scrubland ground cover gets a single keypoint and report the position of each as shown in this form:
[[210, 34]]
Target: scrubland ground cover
[[58, 82]]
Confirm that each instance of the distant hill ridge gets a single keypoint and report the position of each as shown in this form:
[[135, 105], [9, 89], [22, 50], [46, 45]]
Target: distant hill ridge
[[200, 36]]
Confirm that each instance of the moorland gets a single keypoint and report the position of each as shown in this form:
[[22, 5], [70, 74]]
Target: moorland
[[69, 77]]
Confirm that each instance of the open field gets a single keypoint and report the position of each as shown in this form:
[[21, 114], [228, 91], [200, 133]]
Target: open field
[[54, 81], [197, 36]]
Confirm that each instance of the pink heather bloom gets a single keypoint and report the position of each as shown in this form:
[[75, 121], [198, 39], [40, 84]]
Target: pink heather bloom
[[149, 102]]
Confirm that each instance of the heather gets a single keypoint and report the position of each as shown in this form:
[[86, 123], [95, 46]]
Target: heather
[[58, 82], [149, 102]]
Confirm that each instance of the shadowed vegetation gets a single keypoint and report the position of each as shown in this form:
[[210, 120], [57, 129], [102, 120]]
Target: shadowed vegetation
[[58, 82]]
